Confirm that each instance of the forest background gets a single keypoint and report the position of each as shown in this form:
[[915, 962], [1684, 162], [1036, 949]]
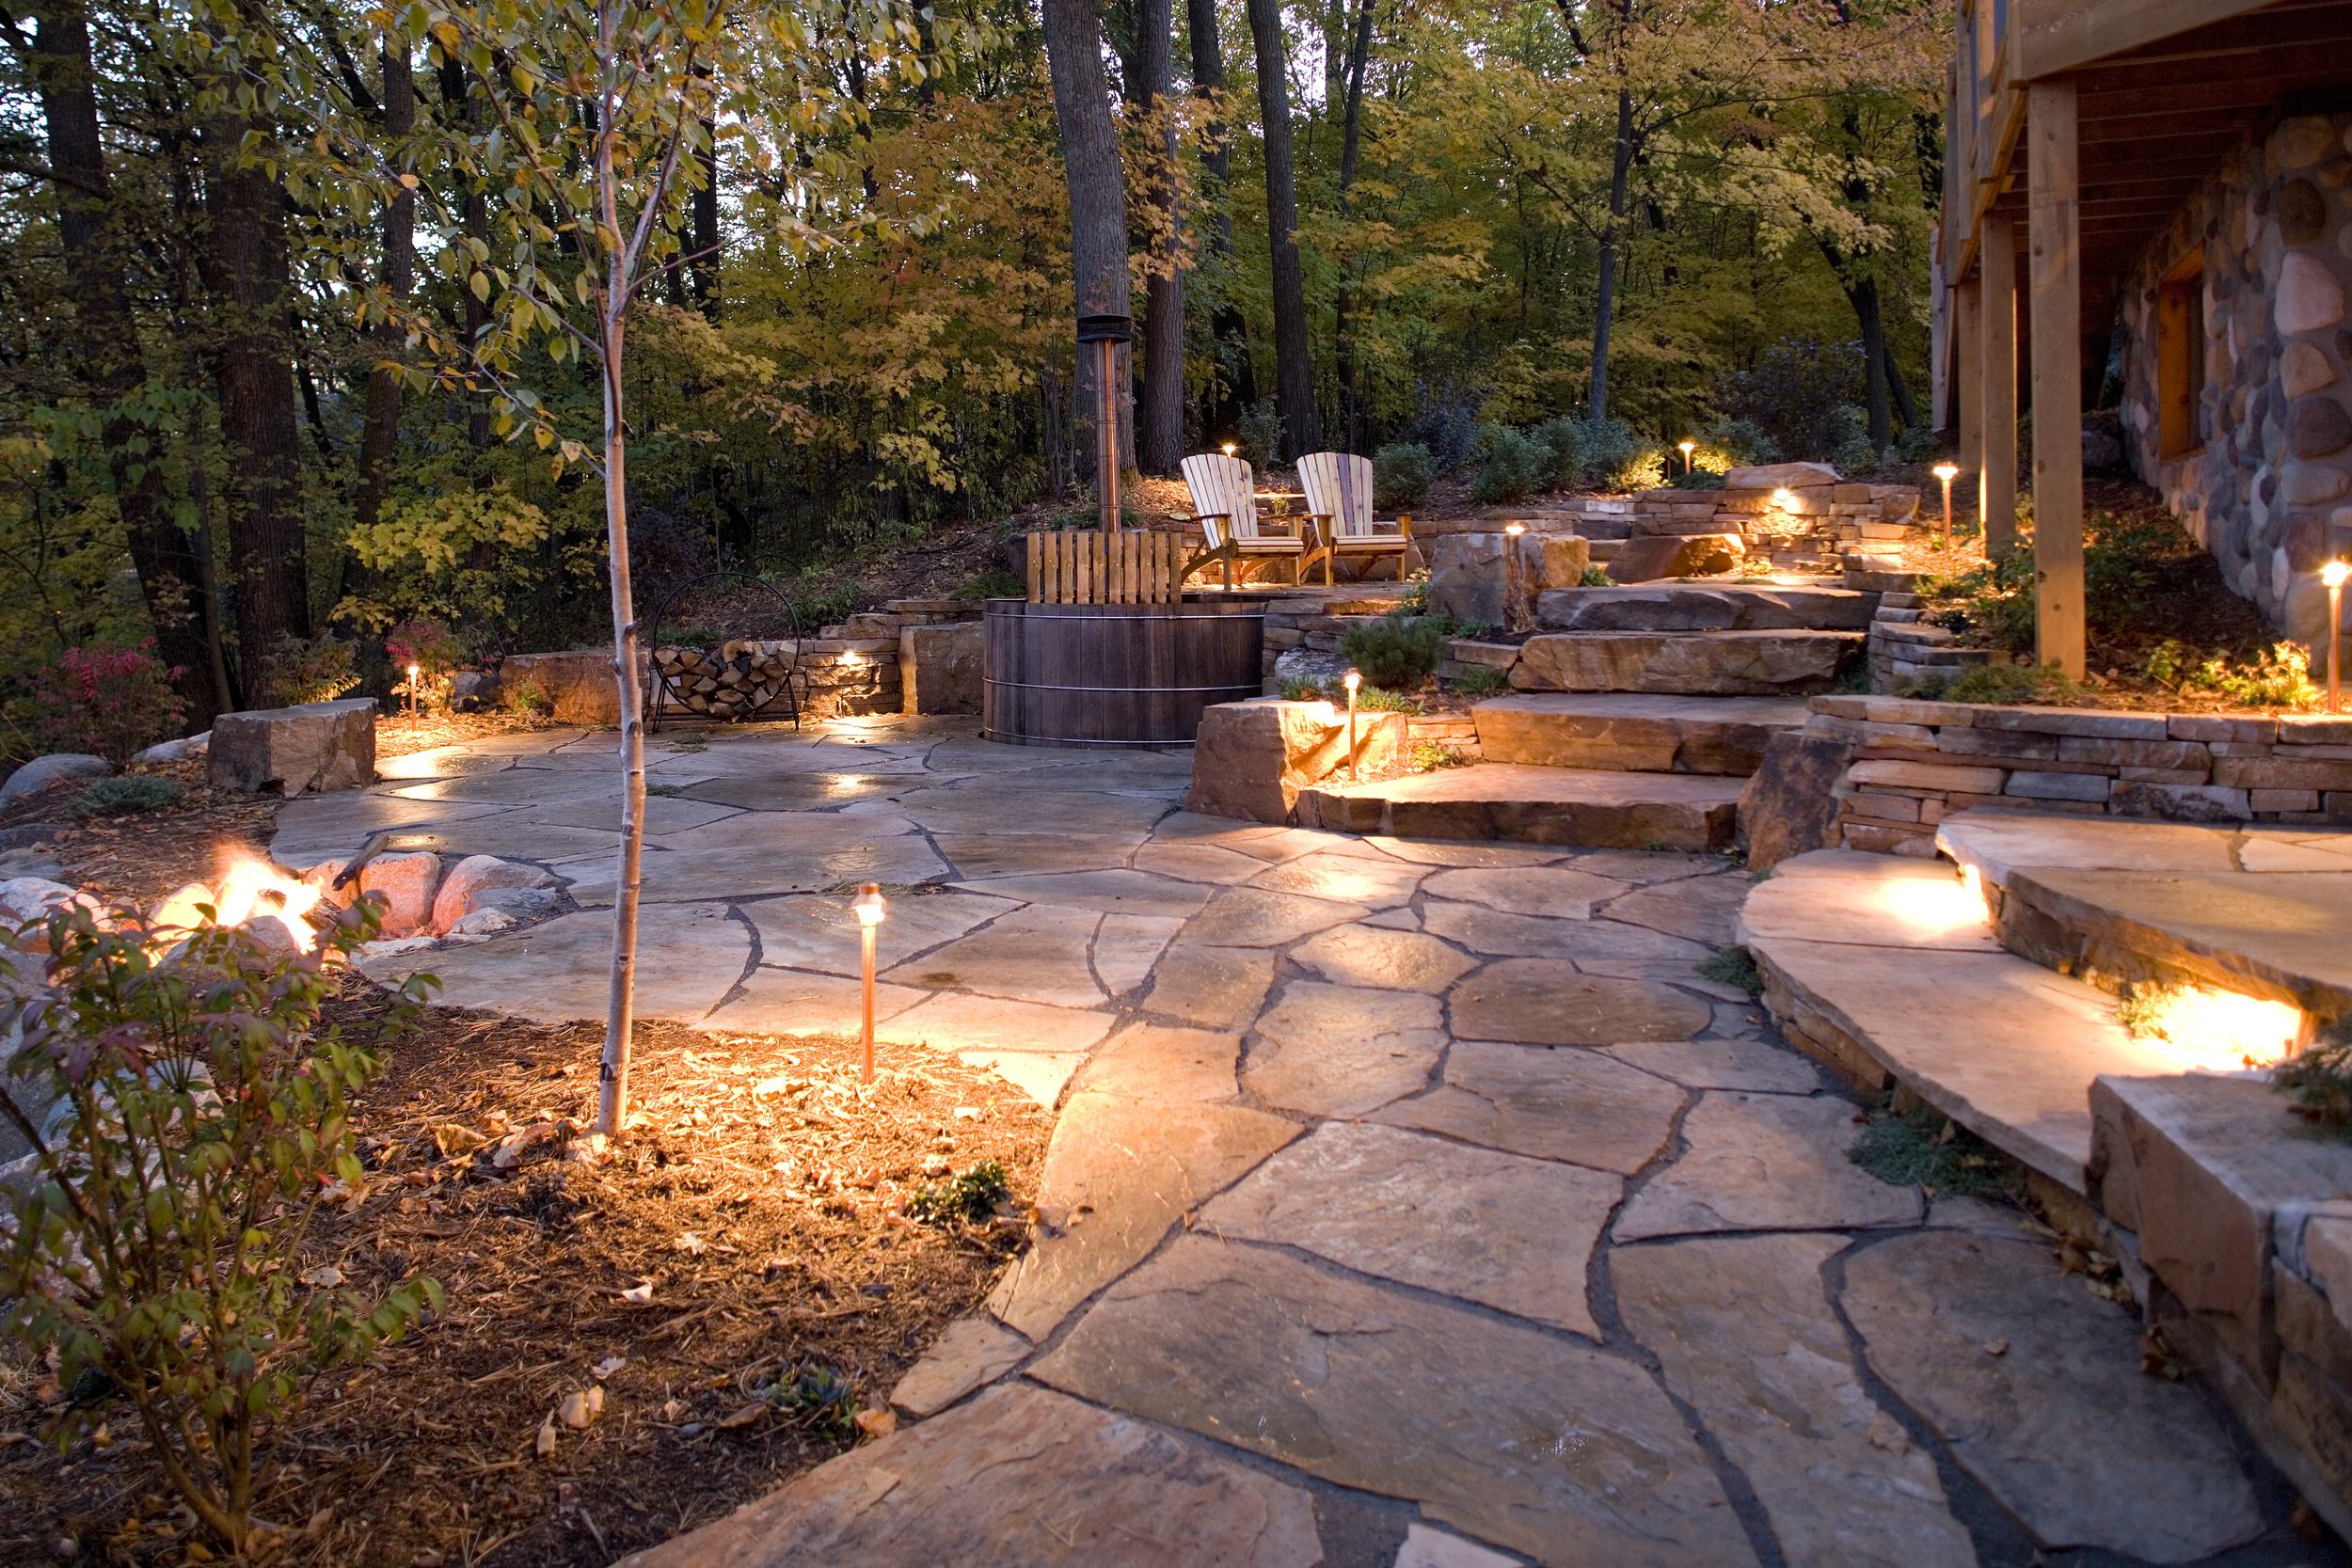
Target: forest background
[[1650, 217]]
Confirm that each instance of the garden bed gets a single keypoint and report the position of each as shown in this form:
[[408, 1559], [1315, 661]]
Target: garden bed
[[763, 1203]]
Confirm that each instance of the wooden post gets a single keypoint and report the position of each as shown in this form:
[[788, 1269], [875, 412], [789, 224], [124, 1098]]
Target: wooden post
[[2056, 277], [1968, 376], [1996, 378]]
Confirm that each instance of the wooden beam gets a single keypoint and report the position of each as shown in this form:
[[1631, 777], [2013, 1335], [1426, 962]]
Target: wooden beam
[[1997, 375], [2054, 276], [2065, 35], [1968, 346]]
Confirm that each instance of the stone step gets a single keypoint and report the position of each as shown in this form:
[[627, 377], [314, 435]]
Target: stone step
[[1589, 808], [1700, 664], [1603, 550], [1684, 607], [1612, 526], [2255, 912], [1888, 970], [1631, 732]]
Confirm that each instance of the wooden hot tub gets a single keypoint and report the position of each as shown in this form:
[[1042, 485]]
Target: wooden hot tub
[[1116, 674]]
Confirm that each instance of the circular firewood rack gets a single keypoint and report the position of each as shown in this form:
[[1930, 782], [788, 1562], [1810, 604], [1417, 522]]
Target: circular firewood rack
[[741, 676]]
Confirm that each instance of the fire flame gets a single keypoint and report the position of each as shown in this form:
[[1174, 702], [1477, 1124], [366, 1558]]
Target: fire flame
[[249, 886]]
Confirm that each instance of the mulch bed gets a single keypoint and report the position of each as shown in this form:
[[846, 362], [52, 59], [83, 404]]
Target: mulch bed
[[762, 1202]]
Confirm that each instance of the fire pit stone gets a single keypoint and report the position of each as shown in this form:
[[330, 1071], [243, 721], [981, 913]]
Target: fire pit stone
[[405, 882], [464, 890]]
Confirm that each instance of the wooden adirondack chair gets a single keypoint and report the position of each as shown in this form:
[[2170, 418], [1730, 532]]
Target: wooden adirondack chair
[[1338, 505], [1224, 504]]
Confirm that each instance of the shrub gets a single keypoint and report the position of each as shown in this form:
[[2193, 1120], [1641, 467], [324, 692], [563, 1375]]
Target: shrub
[[1920, 1149], [2003, 685], [2279, 676], [1415, 600], [991, 585], [1394, 650], [1562, 443], [1850, 441], [1794, 391], [113, 701], [1260, 432], [1293, 689], [1610, 449], [1596, 576], [1510, 465], [433, 651], [1402, 472], [820, 601], [973, 1195], [1376, 699], [528, 696], [1448, 427], [1643, 469], [1731, 966], [200, 1117], [1697, 479], [309, 669], [1743, 442], [125, 794], [1429, 756], [2320, 1080], [1480, 680]]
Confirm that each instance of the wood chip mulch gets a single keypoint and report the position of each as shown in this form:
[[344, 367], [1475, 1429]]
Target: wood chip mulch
[[752, 1234]]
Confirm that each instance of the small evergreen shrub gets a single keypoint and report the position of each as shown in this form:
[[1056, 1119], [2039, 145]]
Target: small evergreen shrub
[[1401, 473], [1611, 452], [1921, 1149], [1394, 650], [127, 794], [1510, 466], [1296, 691], [1731, 966]]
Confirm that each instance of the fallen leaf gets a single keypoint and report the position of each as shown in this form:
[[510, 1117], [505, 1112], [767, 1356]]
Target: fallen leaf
[[638, 1293], [545, 1443], [690, 1244], [877, 1423], [607, 1366], [325, 1276], [743, 1417]]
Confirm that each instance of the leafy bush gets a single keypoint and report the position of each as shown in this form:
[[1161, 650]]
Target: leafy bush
[[2278, 676], [113, 701], [1260, 432], [200, 1117], [1448, 427], [1850, 451], [528, 696], [309, 669], [1480, 680], [1402, 472], [2320, 1080], [1596, 576], [1794, 391], [1430, 756], [1394, 650], [1562, 441], [1376, 698], [973, 1195], [1743, 442], [817, 1398], [433, 651], [1510, 465], [2005, 684], [818, 600], [125, 794], [1610, 450], [1294, 689], [991, 585], [1643, 469]]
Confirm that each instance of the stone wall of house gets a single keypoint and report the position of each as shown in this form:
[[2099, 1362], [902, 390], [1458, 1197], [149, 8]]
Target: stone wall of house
[[2270, 491], [1913, 763]]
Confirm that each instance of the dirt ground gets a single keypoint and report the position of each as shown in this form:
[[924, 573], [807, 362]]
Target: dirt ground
[[747, 1255]]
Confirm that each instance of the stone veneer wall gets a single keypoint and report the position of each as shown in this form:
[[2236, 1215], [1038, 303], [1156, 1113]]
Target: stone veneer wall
[[2270, 491], [1914, 763]]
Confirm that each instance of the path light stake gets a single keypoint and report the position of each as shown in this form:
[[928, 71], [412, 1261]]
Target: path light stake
[[1231, 448], [1688, 446], [1107, 333], [2333, 575], [412, 691], [870, 909], [1946, 472], [1351, 680]]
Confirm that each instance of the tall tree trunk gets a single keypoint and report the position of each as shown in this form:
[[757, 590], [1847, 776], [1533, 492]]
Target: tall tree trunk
[[1351, 140], [169, 570], [1098, 194], [1160, 411], [1236, 385], [1622, 151], [247, 274], [1294, 374], [379, 430], [1896, 388], [703, 229], [1863, 294], [474, 212]]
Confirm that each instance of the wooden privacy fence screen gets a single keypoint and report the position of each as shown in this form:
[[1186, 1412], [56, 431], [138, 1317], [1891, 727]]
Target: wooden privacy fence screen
[[1088, 566]]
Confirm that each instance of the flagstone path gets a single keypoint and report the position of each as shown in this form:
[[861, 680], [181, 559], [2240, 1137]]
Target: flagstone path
[[1409, 1203]]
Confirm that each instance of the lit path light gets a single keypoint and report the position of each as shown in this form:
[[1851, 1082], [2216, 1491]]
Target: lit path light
[[412, 690], [870, 908], [1514, 530], [2206, 1030], [2333, 575], [1925, 908], [1689, 463], [1352, 680], [1946, 472], [1231, 448]]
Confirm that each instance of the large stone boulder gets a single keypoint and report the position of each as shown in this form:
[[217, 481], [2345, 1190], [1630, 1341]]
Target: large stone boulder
[[1723, 664], [470, 881], [1487, 579], [406, 883], [1252, 759], [1676, 555], [940, 666], [1791, 805], [1680, 607], [177, 751], [579, 686], [1780, 476], [294, 751], [55, 769]]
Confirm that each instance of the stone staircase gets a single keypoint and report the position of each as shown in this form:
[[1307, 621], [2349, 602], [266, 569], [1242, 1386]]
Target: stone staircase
[[1639, 714]]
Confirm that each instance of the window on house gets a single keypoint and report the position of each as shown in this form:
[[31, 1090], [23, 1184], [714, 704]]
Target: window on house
[[2180, 358]]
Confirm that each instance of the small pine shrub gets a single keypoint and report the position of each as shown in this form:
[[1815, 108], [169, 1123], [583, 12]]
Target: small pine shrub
[[1401, 473], [126, 795], [1920, 1149], [1395, 650], [1480, 680], [1697, 479], [1510, 466], [1610, 450]]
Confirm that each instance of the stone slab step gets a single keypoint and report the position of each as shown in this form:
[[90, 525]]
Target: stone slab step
[[1516, 804], [1888, 969], [1701, 664], [1685, 607], [1633, 732]]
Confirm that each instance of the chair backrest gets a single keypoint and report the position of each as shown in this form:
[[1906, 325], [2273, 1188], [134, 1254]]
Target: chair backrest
[[1339, 485], [1225, 485]]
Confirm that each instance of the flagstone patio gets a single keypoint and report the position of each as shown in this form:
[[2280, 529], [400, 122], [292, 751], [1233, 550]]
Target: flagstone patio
[[1411, 1203]]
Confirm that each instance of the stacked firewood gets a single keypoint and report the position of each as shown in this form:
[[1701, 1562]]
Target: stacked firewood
[[735, 680]]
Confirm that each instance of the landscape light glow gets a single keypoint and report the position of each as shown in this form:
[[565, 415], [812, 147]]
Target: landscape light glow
[[870, 908]]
